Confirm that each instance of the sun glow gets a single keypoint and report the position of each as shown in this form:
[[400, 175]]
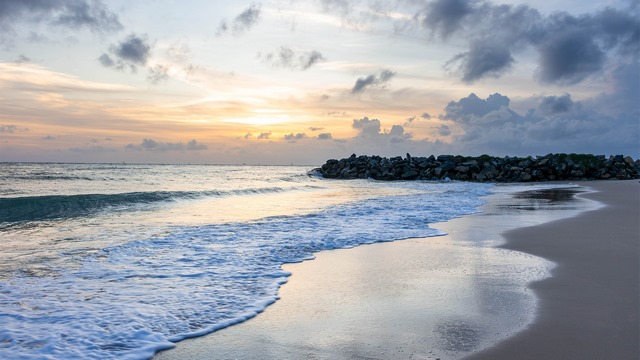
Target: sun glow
[[260, 120]]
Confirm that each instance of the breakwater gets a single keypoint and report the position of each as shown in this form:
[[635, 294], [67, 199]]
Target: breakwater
[[484, 168]]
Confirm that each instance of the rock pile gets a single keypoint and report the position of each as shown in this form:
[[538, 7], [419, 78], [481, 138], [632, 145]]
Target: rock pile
[[483, 168]]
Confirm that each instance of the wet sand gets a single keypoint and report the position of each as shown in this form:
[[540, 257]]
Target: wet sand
[[451, 296], [589, 308]]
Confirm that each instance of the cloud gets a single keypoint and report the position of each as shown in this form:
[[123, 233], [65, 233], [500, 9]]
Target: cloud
[[93, 149], [313, 128], [194, 145], [482, 60], [554, 124], [552, 105], [324, 136], [22, 59], [242, 22], [369, 130], [8, 128], [444, 130], [48, 138], [445, 16], [425, 116], [158, 146], [472, 109], [285, 57], [264, 136], [131, 52], [106, 60], [294, 137], [569, 57], [379, 79], [12, 129], [366, 127], [74, 14], [158, 73], [570, 48]]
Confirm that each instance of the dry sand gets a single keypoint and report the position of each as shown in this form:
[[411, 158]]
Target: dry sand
[[450, 296], [589, 308]]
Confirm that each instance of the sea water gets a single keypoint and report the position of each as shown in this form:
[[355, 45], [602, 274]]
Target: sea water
[[118, 261]]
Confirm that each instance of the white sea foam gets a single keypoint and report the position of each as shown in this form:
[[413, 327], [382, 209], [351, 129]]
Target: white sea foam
[[127, 283]]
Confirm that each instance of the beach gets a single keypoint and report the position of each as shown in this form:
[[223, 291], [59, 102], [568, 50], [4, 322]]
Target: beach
[[589, 308], [389, 300]]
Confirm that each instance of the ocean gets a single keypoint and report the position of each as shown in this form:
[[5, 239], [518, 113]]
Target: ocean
[[119, 261]]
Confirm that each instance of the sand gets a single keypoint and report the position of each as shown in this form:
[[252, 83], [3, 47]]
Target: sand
[[450, 297], [589, 308]]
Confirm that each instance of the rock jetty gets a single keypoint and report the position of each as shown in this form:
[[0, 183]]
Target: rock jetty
[[485, 168]]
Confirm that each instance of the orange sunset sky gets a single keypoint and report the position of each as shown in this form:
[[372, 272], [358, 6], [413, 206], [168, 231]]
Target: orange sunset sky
[[280, 82]]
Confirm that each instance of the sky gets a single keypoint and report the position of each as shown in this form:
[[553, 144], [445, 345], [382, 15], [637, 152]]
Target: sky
[[299, 82]]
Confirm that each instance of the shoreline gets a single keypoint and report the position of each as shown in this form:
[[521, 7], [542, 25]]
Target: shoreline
[[589, 308], [279, 330]]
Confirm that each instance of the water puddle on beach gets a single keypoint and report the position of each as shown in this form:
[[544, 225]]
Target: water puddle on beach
[[434, 298]]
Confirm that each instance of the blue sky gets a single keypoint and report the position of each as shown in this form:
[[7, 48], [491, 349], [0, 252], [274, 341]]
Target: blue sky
[[279, 82]]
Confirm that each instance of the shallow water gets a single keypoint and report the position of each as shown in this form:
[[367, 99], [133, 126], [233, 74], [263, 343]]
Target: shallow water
[[438, 297], [118, 261]]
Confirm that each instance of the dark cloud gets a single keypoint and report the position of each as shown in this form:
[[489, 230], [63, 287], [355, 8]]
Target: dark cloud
[[472, 108], [372, 80], [264, 136], [324, 136], [311, 58], [294, 137], [362, 83], [554, 124], [242, 22], [366, 127], [445, 16], [130, 53], [93, 14], [444, 130], [48, 138], [425, 116], [153, 145], [569, 57], [396, 130], [313, 128], [134, 49], [570, 48], [285, 57], [552, 105], [482, 60]]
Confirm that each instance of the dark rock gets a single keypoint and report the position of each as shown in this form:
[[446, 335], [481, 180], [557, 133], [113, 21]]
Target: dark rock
[[483, 168]]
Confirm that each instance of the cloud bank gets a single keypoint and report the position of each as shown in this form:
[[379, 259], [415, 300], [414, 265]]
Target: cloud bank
[[570, 47], [75, 14], [148, 144]]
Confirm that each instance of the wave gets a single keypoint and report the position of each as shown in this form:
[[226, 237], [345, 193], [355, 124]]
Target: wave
[[55, 207]]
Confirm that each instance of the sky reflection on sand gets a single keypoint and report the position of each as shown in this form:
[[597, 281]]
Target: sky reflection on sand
[[441, 297]]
